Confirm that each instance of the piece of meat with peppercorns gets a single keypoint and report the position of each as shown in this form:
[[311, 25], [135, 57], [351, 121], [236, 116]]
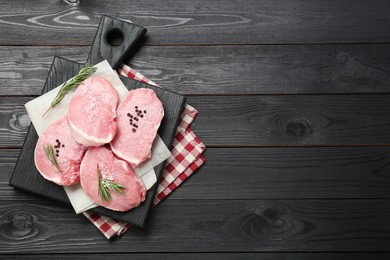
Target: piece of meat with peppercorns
[[57, 155], [139, 116], [91, 112]]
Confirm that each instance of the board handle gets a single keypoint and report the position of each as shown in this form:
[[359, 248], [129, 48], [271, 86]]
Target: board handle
[[113, 41]]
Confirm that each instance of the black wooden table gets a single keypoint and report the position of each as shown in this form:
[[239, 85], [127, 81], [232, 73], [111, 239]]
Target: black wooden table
[[294, 107]]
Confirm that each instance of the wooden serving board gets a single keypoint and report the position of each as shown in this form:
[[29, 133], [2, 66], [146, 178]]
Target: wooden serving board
[[27, 177]]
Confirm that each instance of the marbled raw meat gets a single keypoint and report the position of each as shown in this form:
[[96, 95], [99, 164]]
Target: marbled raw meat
[[115, 170], [138, 118], [70, 154], [91, 112]]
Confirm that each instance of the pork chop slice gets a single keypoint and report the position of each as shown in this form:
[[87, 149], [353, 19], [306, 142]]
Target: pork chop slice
[[91, 112], [100, 162], [66, 151], [139, 116]]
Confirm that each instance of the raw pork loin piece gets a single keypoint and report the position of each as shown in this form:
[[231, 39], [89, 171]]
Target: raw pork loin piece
[[91, 112], [138, 118], [66, 151], [114, 170]]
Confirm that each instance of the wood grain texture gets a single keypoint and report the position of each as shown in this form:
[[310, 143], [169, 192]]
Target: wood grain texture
[[265, 173], [270, 120], [293, 120], [16, 120], [267, 69], [200, 21], [203, 256], [23, 70], [8, 159], [206, 226], [276, 69]]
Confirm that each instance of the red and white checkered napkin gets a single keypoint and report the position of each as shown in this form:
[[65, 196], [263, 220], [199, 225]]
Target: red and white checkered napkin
[[186, 158]]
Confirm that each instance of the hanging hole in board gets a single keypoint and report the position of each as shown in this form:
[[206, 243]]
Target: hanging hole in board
[[115, 37]]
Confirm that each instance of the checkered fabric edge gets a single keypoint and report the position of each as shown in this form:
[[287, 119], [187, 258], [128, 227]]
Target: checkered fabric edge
[[126, 71], [186, 148], [162, 194]]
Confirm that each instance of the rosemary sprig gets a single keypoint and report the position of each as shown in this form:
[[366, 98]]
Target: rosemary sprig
[[105, 186], [49, 151], [71, 84]]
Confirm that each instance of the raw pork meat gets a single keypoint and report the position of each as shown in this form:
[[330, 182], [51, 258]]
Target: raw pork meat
[[66, 151], [114, 170], [91, 112], [138, 118]]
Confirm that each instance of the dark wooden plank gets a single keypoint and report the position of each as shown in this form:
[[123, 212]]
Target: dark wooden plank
[[24, 70], [299, 120], [8, 159], [271, 120], [205, 226], [267, 69], [215, 256], [15, 116], [253, 173], [265, 173], [278, 69], [200, 22]]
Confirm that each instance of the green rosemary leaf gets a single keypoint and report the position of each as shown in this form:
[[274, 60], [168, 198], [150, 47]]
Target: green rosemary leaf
[[105, 186], [115, 186], [49, 151], [71, 84]]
